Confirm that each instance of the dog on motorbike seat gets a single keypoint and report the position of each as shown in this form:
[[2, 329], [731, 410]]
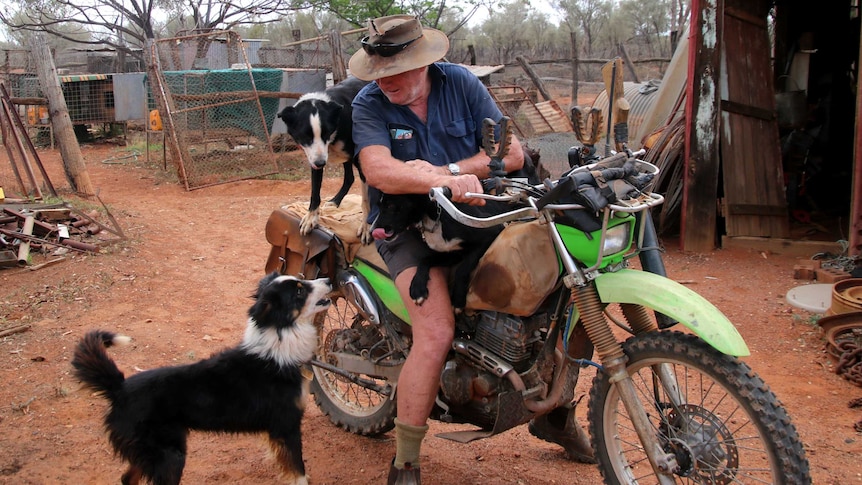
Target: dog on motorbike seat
[[321, 123], [455, 244]]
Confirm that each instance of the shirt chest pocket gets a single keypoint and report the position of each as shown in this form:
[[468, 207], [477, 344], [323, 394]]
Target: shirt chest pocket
[[404, 144], [463, 128]]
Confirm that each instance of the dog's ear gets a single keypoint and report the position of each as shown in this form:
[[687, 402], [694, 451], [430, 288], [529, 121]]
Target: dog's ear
[[264, 282], [263, 299], [259, 310], [333, 112], [288, 115]]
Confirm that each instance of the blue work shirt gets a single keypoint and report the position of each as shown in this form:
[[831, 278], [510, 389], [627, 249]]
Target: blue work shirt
[[457, 106]]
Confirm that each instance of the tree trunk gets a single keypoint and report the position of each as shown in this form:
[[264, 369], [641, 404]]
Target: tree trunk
[[73, 161]]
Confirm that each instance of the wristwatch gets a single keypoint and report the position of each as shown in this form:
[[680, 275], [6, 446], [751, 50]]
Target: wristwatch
[[454, 169]]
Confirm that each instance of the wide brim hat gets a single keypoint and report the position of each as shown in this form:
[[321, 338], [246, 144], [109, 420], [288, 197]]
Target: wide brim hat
[[408, 45]]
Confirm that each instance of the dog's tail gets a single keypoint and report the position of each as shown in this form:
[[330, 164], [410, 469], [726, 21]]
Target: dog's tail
[[93, 366]]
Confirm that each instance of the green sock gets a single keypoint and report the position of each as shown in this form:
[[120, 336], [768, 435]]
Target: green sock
[[408, 439]]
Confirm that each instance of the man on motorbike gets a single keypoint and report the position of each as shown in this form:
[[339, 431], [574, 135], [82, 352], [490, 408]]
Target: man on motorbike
[[418, 126]]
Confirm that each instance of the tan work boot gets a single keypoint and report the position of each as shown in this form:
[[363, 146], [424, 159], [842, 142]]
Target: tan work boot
[[560, 427]]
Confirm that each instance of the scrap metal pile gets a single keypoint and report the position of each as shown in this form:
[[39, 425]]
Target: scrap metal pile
[[28, 230]]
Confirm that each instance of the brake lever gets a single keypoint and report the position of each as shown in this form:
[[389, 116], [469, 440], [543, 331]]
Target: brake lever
[[493, 185]]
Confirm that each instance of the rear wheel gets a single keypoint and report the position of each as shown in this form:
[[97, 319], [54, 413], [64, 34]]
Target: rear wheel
[[721, 422], [356, 408]]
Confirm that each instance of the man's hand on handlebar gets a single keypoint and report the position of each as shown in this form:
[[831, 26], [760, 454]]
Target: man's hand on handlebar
[[460, 185]]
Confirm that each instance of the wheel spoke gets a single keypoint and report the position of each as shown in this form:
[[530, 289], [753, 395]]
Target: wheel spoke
[[700, 405], [348, 403]]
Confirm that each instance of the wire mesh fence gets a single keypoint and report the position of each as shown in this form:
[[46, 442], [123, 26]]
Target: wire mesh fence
[[307, 54], [215, 121], [90, 102]]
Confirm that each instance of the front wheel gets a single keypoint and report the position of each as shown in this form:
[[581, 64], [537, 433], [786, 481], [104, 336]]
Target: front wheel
[[364, 410], [719, 420]]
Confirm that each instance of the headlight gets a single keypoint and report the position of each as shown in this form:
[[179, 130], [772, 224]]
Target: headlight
[[617, 239]]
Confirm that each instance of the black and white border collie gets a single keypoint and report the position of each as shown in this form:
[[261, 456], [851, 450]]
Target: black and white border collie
[[456, 245], [321, 124], [256, 386]]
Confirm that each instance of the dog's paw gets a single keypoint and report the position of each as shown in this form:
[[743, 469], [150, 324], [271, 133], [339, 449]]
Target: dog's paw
[[418, 292], [458, 296], [309, 222], [364, 233], [303, 480]]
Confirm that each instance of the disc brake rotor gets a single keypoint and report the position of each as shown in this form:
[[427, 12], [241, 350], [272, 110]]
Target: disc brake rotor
[[704, 447]]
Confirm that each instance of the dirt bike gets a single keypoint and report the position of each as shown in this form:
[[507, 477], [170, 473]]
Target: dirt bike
[[557, 287]]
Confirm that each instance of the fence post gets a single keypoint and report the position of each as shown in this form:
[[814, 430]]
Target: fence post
[[628, 63], [297, 36], [532, 74], [339, 72], [575, 66]]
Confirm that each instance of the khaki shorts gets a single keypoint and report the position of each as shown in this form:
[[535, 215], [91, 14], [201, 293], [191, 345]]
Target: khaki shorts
[[406, 250]]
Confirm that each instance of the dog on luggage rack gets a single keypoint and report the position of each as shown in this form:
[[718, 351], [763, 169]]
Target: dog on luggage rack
[[457, 245], [321, 124], [256, 386]]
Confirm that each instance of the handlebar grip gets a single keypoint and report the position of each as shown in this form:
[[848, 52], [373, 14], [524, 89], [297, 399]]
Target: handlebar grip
[[446, 191]]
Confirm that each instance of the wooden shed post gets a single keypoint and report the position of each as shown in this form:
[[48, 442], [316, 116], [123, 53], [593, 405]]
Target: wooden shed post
[[702, 108], [855, 239], [73, 161]]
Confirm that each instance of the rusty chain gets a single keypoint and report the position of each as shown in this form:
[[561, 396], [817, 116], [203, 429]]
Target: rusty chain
[[844, 343]]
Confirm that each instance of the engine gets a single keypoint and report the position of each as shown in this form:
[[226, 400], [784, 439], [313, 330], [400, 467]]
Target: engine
[[497, 343], [509, 337]]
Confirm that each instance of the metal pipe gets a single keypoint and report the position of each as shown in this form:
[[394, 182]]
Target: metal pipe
[[552, 401], [80, 245], [24, 247]]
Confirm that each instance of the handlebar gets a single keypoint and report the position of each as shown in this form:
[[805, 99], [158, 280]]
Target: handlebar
[[442, 196], [531, 205]]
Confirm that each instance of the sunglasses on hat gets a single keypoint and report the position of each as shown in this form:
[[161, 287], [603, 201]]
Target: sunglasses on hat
[[384, 50]]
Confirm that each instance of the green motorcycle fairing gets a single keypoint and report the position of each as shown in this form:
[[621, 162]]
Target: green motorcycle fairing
[[384, 287], [676, 301]]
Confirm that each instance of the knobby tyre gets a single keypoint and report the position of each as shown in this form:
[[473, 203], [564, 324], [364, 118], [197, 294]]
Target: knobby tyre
[[349, 405], [725, 426]]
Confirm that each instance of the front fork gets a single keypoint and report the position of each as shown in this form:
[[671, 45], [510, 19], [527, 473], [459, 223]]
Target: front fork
[[610, 352], [586, 300]]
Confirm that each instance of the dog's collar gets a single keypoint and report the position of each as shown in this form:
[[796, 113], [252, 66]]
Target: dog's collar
[[434, 227]]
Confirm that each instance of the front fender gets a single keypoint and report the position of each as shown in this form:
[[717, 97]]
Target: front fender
[[676, 301]]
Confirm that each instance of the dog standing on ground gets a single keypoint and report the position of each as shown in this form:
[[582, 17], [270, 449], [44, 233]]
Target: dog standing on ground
[[321, 124], [457, 245], [256, 386]]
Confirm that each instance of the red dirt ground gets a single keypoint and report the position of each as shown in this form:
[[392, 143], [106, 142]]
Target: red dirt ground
[[180, 287]]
